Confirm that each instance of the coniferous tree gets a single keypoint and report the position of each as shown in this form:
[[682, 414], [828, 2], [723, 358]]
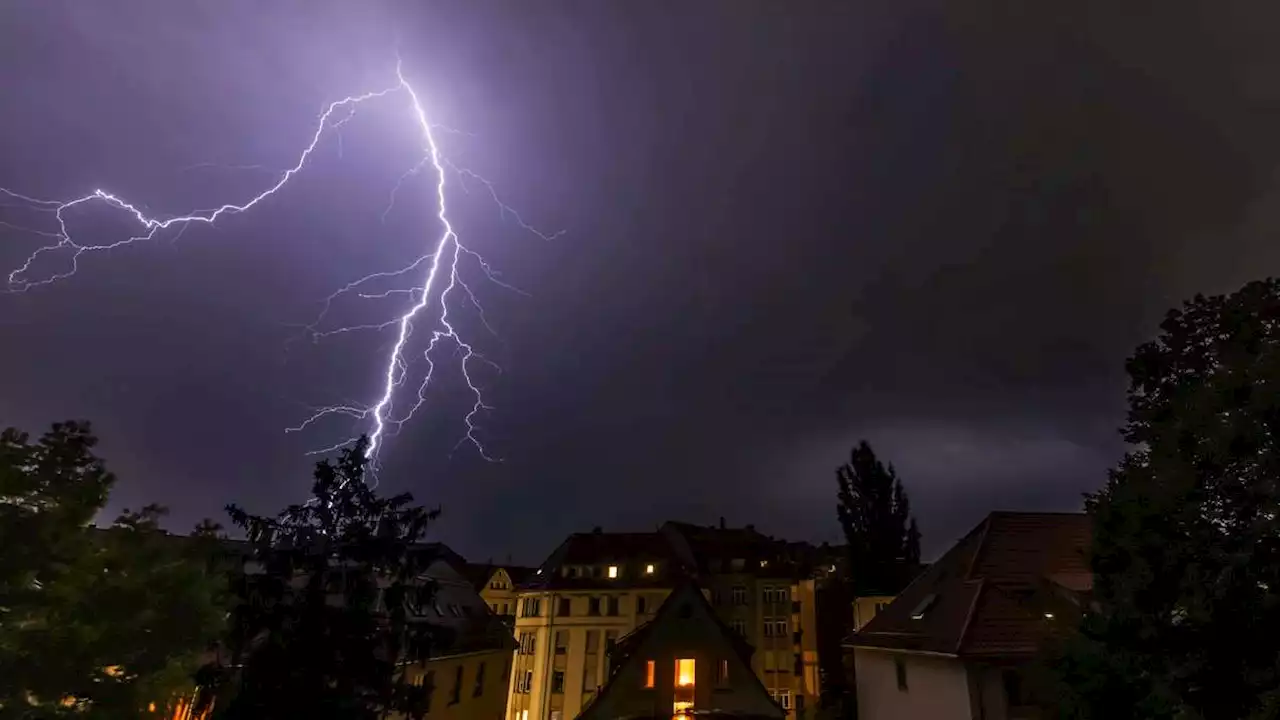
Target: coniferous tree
[[875, 515], [1186, 547], [323, 625]]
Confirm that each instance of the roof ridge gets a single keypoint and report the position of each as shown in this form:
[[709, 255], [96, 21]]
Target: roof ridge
[[982, 544], [968, 616]]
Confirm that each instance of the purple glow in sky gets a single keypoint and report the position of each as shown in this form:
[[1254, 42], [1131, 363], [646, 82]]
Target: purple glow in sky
[[442, 257]]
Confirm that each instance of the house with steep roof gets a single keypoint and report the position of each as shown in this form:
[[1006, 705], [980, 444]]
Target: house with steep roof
[[960, 640], [497, 585], [684, 662]]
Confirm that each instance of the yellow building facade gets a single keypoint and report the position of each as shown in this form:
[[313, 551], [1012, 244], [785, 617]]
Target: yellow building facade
[[596, 588]]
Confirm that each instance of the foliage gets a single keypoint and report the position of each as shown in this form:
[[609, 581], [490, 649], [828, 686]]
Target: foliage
[[875, 515], [108, 620], [322, 621], [1186, 547]]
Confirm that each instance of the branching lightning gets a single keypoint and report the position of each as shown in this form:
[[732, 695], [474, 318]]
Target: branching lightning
[[440, 286]]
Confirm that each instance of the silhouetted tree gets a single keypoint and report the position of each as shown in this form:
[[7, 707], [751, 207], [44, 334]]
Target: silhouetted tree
[[875, 515], [322, 625], [1186, 547], [106, 620]]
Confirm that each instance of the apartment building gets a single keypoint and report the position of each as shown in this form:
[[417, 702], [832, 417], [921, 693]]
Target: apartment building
[[766, 590], [597, 587]]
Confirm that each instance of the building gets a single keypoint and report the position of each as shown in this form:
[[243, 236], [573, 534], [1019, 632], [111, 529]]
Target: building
[[766, 590], [959, 641], [598, 587], [469, 670], [497, 586], [683, 662], [593, 589]]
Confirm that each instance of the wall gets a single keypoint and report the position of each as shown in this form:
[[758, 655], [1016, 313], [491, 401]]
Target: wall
[[580, 682], [484, 701], [865, 608], [937, 687]]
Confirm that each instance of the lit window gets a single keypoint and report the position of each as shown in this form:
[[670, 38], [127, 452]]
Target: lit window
[[648, 569], [648, 674], [1048, 616], [764, 563], [684, 672], [613, 571], [682, 709]]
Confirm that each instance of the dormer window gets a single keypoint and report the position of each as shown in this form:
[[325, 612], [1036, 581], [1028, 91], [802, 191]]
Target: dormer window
[[648, 569], [613, 572]]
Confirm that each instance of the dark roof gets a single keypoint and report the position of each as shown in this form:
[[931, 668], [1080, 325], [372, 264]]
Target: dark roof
[[630, 551], [987, 595], [479, 573]]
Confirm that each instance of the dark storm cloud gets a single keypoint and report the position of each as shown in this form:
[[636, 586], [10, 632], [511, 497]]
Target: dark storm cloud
[[938, 226]]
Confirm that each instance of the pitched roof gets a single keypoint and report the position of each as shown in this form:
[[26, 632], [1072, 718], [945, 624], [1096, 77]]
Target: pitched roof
[[986, 596], [480, 573], [629, 550], [685, 603]]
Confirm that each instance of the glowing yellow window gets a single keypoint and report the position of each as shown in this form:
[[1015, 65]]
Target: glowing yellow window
[[613, 571], [681, 709], [684, 672], [648, 674], [648, 569]]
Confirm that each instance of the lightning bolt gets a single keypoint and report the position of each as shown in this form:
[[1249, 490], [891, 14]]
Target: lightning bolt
[[438, 266]]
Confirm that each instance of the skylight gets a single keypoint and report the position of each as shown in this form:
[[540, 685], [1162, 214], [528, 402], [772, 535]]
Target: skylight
[[923, 607]]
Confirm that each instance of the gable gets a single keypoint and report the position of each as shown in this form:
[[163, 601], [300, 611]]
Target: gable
[[685, 627]]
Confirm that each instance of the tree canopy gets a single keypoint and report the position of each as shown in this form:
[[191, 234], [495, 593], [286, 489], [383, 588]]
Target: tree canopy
[[1186, 548], [94, 622], [875, 515], [323, 625]]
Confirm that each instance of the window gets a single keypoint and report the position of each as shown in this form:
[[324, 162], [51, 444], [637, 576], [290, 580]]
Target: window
[[531, 607], [649, 670], [777, 594], [738, 595], [593, 606], [648, 569], [780, 628], [640, 604], [524, 682], [764, 563], [740, 627], [784, 699], [571, 571], [566, 605], [494, 608], [900, 669], [613, 572], [562, 642], [479, 688], [923, 607], [684, 672], [455, 695], [717, 597], [527, 641], [557, 681], [612, 607], [722, 672]]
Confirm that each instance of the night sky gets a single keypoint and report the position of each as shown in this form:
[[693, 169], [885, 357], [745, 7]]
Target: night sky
[[940, 226]]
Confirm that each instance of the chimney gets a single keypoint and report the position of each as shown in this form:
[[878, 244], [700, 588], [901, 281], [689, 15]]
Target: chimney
[[721, 522]]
